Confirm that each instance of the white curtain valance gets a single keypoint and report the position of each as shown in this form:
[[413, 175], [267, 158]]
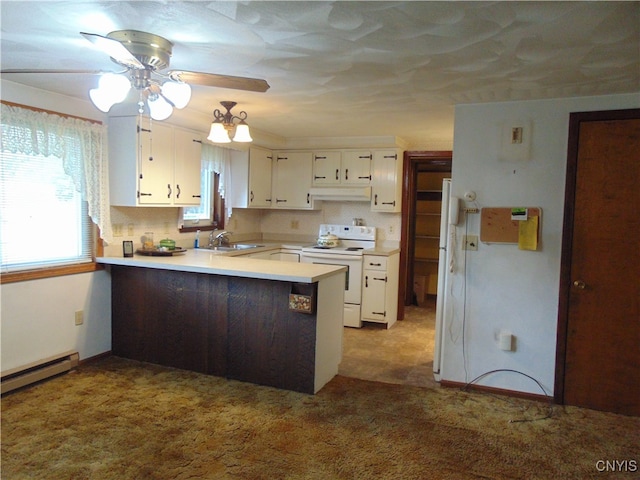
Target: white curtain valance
[[80, 144], [218, 159]]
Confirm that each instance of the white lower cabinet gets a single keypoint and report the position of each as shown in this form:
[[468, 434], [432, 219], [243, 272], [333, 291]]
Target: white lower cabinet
[[283, 255], [380, 288]]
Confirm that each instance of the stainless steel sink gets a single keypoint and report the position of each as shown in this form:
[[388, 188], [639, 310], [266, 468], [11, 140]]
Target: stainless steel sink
[[234, 247]]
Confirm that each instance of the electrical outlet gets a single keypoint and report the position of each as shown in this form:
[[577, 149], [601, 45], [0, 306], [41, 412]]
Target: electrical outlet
[[390, 228], [470, 242], [79, 317], [130, 230], [117, 229], [471, 210], [294, 225]]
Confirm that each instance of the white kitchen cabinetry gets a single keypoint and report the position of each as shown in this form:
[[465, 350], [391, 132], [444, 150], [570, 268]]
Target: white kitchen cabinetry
[[386, 187], [153, 164], [380, 289], [337, 168], [251, 174], [292, 173], [260, 170], [281, 255]]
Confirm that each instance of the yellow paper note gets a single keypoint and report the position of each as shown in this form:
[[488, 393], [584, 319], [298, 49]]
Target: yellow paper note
[[528, 234]]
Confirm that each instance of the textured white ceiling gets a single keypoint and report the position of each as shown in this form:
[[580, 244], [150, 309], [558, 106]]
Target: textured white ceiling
[[348, 68]]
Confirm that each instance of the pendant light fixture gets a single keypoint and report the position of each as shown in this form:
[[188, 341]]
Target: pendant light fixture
[[223, 125]]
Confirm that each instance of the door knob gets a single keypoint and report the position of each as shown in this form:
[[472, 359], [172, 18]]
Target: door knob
[[579, 284]]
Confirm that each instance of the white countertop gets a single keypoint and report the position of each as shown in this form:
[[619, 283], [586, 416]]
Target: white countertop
[[215, 263]]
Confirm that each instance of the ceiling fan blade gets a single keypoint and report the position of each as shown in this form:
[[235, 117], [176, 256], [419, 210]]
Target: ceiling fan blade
[[114, 49], [52, 70], [222, 81]]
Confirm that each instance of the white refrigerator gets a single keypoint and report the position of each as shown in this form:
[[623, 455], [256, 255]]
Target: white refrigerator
[[444, 258]]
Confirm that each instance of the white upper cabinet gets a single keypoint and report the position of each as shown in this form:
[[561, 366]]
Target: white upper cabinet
[[292, 173], [356, 167], [260, 170], [153, 164], [335, 168], [386, 193]]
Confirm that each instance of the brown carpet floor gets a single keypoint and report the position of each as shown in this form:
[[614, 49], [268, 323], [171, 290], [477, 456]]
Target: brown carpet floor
[[120, 419]]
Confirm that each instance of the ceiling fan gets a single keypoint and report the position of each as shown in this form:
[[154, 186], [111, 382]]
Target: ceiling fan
[[145, 55]]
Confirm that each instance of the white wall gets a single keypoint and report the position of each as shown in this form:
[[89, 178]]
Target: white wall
[[38, 317], [500, 287]]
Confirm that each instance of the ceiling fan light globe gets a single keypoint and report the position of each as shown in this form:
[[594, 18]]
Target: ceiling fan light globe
[[218, 134], [101, 99], [117, 86], [178, 93], [242, 133], [159, 108]]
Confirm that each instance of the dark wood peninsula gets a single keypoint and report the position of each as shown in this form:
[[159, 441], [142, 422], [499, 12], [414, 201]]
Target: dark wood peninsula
[[238, 327]]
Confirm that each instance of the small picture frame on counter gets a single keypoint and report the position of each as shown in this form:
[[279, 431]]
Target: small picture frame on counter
[[127, 248]]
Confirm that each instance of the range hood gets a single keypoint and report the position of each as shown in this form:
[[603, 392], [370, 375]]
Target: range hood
[[348, 194]]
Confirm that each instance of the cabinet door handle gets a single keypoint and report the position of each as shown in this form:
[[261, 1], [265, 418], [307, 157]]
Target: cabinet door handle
[[251, 196], [337, 174], [145, 194], [168, 190], [366, 281], [381, 279], [384, 314], [375, 264], [365, 156], [368, 177], [320, 158], [316, 177], [395, 157], [308, 198], [178, 191], [278, 200], [346, 174], [196, 196], [375, 199], [389, 203]]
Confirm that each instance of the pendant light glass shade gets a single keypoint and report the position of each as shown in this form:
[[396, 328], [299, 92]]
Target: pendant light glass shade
[[218, 134], [112, 89], [177, 93], [242, 133]]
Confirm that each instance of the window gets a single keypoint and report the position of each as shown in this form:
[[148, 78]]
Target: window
[[43, 219], [53, 193], [211, 213]]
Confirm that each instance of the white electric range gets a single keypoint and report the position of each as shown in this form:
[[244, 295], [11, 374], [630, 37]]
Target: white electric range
[[354, 240]]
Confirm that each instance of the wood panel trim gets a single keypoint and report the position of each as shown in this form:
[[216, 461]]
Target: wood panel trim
[[50, 112], [575, 120], [494, 390]]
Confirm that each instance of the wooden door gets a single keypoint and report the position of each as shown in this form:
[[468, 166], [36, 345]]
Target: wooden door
[[414, 162], [599, 324]]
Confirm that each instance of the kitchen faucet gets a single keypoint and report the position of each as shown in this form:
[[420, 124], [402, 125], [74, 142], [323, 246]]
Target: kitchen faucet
[[219, 239]]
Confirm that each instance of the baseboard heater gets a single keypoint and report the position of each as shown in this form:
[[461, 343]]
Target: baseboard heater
[[37, 371]]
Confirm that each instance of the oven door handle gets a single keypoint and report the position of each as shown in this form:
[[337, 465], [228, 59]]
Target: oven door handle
[[330, 256]]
